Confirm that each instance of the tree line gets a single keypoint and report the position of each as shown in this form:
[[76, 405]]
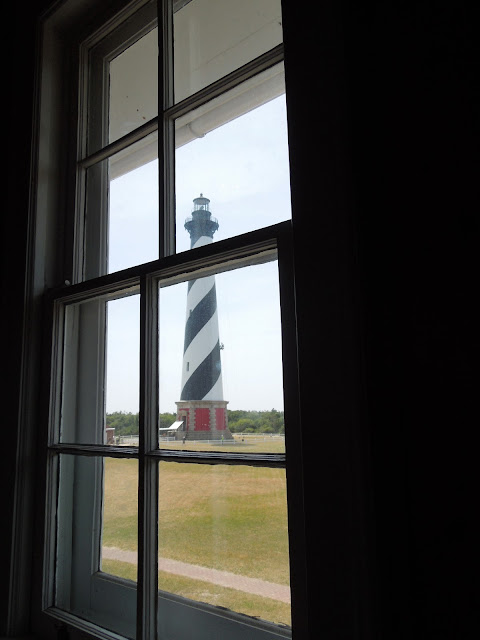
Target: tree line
[[239, 421]]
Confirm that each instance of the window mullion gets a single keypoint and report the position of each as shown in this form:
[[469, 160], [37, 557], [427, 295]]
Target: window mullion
[[166, 133], [148, 468]]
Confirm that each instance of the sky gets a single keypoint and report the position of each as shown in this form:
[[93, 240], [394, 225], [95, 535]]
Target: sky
[[242, 167]]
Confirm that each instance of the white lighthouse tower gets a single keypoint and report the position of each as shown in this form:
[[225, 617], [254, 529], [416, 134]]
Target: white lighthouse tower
[[201, 408]]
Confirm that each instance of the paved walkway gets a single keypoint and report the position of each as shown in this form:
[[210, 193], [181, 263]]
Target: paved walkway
[[222, 578]]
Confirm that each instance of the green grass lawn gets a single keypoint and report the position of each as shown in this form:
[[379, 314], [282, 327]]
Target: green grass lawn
[[255, 443], [222, 517]]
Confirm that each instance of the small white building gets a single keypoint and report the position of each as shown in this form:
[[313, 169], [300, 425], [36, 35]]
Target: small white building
[[174, 431]]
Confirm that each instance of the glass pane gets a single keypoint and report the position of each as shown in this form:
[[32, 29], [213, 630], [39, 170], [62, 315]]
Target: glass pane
[[120, 518], [100, 394], [122, 209], [97, 506], [215, 37], [234, 152], [221, 383], [133, 86], [223, 537], [123, 78], [122, 378]]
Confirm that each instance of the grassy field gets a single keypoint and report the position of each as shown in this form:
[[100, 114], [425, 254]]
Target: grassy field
[[222, 517], [255, 443]]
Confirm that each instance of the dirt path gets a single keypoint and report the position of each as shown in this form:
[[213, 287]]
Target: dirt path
[[222, 578]]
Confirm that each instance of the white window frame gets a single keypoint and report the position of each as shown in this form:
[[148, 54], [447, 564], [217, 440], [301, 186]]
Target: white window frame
[[276, 238]]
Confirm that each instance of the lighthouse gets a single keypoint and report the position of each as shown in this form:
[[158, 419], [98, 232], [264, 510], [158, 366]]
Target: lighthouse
[[201, 410]]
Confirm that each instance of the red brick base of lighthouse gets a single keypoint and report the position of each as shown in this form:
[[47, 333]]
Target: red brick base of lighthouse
[[203, 420]]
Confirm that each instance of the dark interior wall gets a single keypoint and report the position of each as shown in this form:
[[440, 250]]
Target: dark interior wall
[[19, 67], [394, 158], [413, 87], [394, 162]]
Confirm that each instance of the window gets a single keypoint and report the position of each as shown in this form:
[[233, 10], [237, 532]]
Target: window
[[170, 306]]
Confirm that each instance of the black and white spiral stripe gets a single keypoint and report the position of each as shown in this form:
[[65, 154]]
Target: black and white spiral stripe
[[202, 373]]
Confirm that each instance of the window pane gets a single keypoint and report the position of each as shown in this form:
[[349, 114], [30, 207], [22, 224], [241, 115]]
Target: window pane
[[95, 502], [234, 151], [221, 384], [122, 87], [223, 537], [123, 371], [120, 518], [133, 86], [100, 394], [215, 37], [122, 209]]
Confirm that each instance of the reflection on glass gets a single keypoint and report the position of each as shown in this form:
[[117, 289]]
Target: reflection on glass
[[133, 86], [221, 384], [120, 518], [234, 150], [91, 492], [214, 37], [122, 209], [223, 537], [100, 400]]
